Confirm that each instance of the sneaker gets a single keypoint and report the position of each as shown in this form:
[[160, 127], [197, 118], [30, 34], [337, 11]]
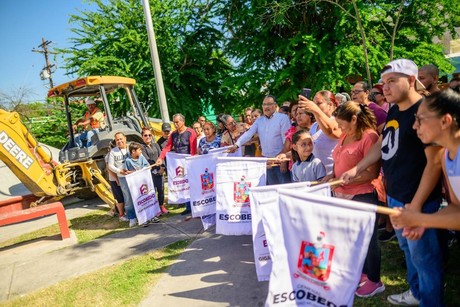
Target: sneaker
[[132, 222], [403, 299], [185, 212], [155, 220], [362, 280], [146, 224], [370, 288], [124, 218], [164, 210], [387, 236]]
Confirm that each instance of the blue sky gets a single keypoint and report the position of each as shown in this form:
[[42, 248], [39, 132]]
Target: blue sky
[[23, 24]]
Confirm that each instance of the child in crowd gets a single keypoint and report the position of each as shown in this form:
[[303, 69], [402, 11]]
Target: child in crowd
[[306, 166], [134, 162]]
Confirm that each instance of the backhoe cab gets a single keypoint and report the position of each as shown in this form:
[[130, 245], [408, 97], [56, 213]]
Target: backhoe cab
[[106, 91], [81, 169]]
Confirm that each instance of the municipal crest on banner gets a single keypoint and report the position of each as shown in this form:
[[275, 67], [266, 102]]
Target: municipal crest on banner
[[315, 259], [144, 189], [180, 172], [241, 192], [207, 181]]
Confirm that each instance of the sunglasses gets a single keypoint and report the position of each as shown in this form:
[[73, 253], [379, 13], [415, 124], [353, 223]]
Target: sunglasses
[[147, 135]]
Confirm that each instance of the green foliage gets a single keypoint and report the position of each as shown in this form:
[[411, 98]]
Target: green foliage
[[285, 45], [226, 54], [47, 122], [112, 40]]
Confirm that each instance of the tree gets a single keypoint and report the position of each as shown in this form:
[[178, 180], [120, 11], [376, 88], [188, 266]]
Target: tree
[[112, 40], [285, 45], [15, 99]]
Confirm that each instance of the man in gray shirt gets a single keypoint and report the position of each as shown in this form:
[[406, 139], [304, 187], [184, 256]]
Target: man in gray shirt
[[271, 129]]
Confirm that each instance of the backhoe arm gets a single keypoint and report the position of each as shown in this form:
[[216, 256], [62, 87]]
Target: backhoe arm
[[25, 157]]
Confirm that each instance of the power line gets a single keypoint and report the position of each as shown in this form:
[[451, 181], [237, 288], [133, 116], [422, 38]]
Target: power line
[[46, 72]]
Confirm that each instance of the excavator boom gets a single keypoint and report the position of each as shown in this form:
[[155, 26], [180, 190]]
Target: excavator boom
[[26, 159], [38, 172]]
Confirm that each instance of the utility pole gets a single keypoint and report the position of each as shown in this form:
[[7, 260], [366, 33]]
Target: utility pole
[[156, 62], [46, 72]]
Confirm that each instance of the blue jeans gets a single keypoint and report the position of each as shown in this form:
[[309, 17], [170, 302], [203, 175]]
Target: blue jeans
[[129, 206], [424, 260], [274, 176], [85, 135]]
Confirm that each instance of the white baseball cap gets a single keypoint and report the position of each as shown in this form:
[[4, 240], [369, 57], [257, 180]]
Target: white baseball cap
[[89, 101], [405, 67]]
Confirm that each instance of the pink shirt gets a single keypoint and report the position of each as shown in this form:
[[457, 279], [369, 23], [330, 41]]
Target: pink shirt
[[347, 156]]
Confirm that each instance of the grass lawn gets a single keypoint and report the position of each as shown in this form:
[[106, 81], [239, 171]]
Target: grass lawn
[[126, 284], [91, 226], [394, 276]]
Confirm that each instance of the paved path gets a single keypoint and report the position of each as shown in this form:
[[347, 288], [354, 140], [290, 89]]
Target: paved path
[[213, 271]]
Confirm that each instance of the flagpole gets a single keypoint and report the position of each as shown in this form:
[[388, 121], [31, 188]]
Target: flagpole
[[379, 209]]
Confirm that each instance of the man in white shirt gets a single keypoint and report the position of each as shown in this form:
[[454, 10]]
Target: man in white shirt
[[271, 129]]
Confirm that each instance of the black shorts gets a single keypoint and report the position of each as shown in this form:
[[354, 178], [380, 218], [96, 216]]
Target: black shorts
[[116, 191]]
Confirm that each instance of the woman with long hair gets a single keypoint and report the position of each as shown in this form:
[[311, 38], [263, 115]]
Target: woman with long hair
[[358, 125]]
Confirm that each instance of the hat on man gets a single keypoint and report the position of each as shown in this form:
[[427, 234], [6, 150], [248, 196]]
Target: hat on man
[[405, 67], [89, 101], [379, 87], [166, 127]]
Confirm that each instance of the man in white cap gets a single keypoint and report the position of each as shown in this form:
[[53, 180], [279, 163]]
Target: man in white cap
[[92, 121], [412, 172]]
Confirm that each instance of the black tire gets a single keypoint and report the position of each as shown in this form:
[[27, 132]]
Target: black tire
[[86, 194]]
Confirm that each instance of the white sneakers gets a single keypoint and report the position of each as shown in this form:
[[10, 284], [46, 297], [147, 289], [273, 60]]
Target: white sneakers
[[403, 299], [132, 222]]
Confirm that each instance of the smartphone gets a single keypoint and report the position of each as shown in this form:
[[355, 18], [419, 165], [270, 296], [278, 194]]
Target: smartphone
[[306, 92]]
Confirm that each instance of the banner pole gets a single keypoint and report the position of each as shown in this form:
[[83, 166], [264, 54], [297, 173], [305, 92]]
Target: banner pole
[[380, 209], [386, 210]]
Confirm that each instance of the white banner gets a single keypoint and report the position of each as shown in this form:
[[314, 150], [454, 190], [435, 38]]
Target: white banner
[[142, 191], [178, 183], [319, 251], [268, 196], [208, 220], [202, 179], [237, 153], [235, 176]]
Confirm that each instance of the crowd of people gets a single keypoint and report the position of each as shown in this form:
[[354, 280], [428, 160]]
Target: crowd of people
[[390, 144]]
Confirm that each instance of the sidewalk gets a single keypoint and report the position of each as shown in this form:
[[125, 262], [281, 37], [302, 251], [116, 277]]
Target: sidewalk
[[214, 271]]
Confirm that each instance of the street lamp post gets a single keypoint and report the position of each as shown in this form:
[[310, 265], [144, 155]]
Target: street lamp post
[[156, 62]]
